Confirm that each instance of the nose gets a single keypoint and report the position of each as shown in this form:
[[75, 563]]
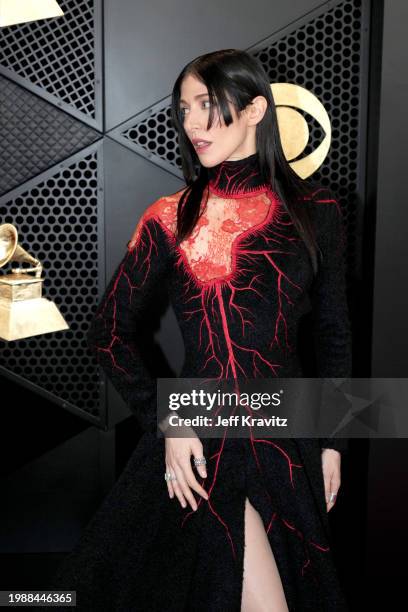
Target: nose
[[192, 123]]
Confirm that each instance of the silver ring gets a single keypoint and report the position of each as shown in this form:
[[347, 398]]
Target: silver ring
[[332, 496], [169, 476], [200, 461]]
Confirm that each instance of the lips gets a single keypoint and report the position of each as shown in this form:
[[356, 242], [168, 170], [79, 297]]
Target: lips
[[200, 144]]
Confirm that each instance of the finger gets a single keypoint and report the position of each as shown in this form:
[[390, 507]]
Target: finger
[[331, 503], [334, 488], [169, 485], [197, 450], [192, 481], [327, 484], [184, 486], [179, 494], [177, 489]]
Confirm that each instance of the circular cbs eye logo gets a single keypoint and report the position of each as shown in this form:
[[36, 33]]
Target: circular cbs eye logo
[[294, 130]]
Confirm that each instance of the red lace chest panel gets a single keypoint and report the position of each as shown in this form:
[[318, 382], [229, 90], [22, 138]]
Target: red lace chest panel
[[209, 250]]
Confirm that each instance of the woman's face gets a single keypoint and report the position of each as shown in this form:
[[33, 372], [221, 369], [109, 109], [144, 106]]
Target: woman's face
[[235, 141]]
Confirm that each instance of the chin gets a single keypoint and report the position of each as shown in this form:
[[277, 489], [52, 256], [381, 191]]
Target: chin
[[208, 163]]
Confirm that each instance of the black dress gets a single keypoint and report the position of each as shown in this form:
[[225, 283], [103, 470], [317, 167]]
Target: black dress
[[239, 287]]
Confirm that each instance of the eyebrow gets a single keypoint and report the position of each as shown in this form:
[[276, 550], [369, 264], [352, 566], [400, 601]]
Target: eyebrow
[[195, 97]]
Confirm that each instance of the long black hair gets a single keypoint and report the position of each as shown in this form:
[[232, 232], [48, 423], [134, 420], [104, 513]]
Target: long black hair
[[236, 75]]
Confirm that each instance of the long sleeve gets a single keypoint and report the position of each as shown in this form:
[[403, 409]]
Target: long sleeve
[[117, 327], [330, 315]]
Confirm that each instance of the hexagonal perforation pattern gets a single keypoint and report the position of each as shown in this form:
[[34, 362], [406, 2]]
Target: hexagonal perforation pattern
[[56, 54], [323, 55], [57, 219], [57, 222]]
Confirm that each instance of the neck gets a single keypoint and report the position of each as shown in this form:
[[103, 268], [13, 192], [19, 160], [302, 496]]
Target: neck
[[237, 178]]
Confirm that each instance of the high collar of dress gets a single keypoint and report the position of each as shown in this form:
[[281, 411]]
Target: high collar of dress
[[237, 178]]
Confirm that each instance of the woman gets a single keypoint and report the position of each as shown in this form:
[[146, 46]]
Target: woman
[[244, 251]]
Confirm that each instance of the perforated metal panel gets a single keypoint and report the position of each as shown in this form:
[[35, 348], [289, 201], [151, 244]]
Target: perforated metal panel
[[156, 136], [323, 53], [58, 55], [325, 56], [57, 221], [57, 214]]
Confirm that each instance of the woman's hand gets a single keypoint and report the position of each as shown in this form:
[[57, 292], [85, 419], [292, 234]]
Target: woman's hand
[[331, 462], [178, 463]]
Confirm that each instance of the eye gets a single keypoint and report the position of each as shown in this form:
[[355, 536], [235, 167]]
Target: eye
[[183, 108]]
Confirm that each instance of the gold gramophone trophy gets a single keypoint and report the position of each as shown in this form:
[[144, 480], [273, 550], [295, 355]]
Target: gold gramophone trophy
[[23, 312]]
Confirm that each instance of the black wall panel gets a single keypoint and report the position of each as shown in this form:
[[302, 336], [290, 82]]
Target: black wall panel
[[56, 215], [60, 59], [53, 80], [35, 135], [147, 43], [387, 494], [87, 145]]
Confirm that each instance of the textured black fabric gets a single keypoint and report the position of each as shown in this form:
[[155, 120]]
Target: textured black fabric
[[142, 551]]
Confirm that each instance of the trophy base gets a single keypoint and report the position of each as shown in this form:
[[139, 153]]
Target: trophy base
[[24, 318]]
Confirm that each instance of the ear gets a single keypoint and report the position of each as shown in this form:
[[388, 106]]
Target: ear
[[256, 110]]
